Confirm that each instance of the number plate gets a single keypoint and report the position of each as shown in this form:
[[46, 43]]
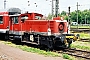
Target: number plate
[[31, 38]]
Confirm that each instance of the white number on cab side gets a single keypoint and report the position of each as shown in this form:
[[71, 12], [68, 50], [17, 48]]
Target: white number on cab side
[[31, 38]]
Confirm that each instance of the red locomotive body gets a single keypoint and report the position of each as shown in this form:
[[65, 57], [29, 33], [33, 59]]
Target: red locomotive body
[[32, 28], [4, 22], [34, 22]]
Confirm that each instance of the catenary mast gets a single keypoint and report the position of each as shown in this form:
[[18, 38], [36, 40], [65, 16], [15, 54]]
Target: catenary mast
[[4, 4], [56, 7]]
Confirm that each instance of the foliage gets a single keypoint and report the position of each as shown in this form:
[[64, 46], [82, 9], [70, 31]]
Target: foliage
[[80, 26], [81, 45], [66, 56], [49, 16], [63, 13], [84, 35], [82, 16], [36, 50]]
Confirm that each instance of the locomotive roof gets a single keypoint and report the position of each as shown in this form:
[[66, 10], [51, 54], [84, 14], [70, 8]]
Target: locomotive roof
[[33, 13], [37, 14], [11, 11]]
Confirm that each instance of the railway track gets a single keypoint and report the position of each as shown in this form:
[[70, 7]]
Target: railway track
[[80, 30], [85, 39], [76, 53]]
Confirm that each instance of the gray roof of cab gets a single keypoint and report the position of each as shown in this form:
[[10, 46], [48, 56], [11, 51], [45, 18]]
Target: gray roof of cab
[[11, 10]]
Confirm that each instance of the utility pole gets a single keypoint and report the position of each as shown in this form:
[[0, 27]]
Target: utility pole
[[4, 4], [69, 14], [69, 20], [77, 14]]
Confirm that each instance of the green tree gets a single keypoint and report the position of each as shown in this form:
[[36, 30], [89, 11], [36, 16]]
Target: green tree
[[49, 16], [82, 16], [63, 13]]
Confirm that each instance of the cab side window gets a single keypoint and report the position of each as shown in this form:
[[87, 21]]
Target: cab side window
[[38, 17], [1, 19], [24, 18], [15, 19]]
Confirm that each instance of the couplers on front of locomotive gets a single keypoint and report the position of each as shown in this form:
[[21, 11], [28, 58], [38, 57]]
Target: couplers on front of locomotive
[[62, 37], [64, 40]]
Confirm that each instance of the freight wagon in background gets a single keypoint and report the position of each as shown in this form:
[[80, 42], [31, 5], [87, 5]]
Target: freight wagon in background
[[32, 28]]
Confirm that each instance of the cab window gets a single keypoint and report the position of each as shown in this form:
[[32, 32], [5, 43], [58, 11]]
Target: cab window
[[1, 19], [38, 17], [24, 17], [15, 19]]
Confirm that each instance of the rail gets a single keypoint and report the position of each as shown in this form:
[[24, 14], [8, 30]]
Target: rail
[[76, 53], [85, 39]]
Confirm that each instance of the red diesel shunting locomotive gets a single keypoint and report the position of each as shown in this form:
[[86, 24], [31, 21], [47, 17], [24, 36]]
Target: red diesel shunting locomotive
[[32, 28]]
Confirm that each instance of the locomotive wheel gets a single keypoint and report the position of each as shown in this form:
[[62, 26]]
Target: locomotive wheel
[[44, 47], [68, 43], [6, 37]]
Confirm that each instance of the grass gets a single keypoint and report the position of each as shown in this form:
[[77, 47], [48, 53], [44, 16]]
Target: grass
[[81, 45], [38, 51], [33, 50], [66, 56], [80, 26], [84, 35]]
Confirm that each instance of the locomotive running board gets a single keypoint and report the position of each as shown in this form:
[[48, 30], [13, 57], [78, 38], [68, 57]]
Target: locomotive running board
[[30, 42]]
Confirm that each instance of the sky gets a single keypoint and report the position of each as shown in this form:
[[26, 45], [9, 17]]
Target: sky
[[43, 6]]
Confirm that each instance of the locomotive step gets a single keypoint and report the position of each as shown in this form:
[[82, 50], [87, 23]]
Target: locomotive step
[[30, 42], [10, 36], [11, 39]]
